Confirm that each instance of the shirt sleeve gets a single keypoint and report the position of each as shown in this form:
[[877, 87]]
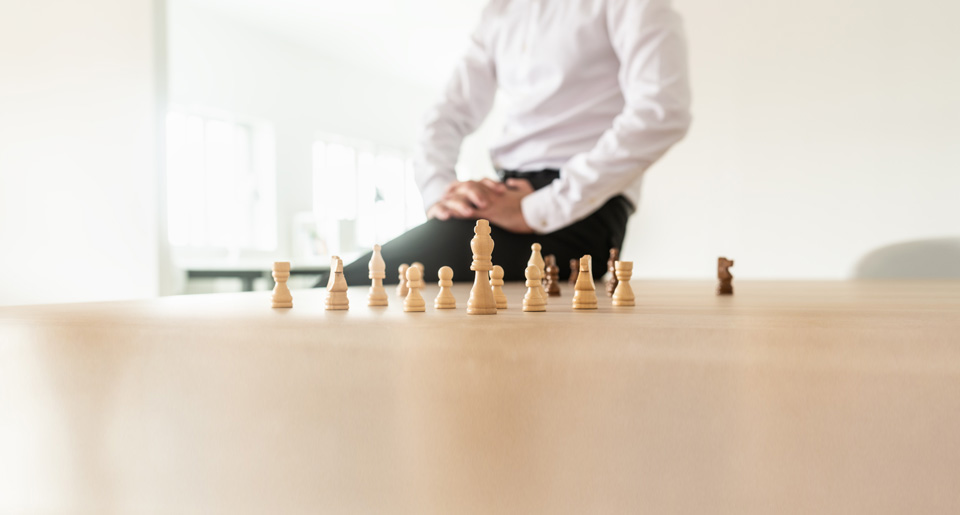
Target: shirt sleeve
[[466, 102], [647, 37]]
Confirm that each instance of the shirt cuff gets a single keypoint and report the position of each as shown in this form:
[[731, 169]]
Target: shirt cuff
[[543, 212], [433, 190]]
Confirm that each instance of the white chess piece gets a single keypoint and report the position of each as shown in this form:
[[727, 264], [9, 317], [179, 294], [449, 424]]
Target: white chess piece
[[623, 294], [378, 271], [537, 260], [445, 299], [414, 302], [534, 300], [402, 286], [496, 281], [481, 300], [585, 296], [281, 293], [337, 287]]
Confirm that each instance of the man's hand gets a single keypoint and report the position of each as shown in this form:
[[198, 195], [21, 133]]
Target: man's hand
[[504, 211], [465, 199]]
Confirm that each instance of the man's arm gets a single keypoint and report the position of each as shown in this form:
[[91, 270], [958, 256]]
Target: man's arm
[[647, 37], [466, 102]]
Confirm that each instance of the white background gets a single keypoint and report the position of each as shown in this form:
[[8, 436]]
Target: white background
[[822, 130]]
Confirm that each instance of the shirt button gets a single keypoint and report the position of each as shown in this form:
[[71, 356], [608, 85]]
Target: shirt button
[[543, 223]]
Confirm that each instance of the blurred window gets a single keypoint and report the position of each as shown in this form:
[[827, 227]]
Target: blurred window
[[221, 185], [365, 192]]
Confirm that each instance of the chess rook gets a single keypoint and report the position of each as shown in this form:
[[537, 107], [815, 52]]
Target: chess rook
[[281, 293], [623, 295], [336, 287], [481, 300], [534, 300], [414, 302], [378, 272], [496, 282], [445, 299], [585, 296]]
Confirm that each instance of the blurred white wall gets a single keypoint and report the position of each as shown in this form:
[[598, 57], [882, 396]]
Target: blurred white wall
[[80, 93], [822, 130]]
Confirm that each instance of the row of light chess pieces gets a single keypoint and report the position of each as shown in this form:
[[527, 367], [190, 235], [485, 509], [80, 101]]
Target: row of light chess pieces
[[486, 297], [411, 285]]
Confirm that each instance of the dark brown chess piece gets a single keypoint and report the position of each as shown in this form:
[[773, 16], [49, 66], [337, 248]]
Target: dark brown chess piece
[[612, 270], [574, 271], [552, 283], [726, 278]]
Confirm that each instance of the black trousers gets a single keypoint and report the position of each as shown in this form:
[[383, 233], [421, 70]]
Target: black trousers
[[439, 243]]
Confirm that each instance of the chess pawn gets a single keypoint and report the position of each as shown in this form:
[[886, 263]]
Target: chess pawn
[[534, 300], [537, 260], [445, 299], [623, 295], [496, 281], [414, 302], [423, 269], [574, 271], [585, 296], [402, 287], [552, 283], [378, 272], [337, 287], [481, 300], [281, 294], [612, 270]]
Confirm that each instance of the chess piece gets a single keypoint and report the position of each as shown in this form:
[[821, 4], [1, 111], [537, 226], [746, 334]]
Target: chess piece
[[378, 271], [726, 278], [402, 287], [612, 270], [423, 269], [281, 294], [414, 302], [552, 283], [534, 300], [496, 281], [623, 295], [537, 260], [585, 296], [481, 295], [574, 271], [445, 299], [337, 287]]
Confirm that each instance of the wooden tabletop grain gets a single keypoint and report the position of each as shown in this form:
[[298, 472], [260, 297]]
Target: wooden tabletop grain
[[789, 397]]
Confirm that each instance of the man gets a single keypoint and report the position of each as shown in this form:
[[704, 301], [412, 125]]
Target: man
[[597, 92]]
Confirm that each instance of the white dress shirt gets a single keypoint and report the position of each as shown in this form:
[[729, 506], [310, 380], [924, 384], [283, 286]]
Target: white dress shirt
[[595, 88]]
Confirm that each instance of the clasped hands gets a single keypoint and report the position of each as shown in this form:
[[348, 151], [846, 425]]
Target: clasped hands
[[498, 202]]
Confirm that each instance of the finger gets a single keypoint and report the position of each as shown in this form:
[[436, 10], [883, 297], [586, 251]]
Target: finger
[[452, 186], [438, 211], [494, 186], [522, 185], [459, 207], [476, 194]]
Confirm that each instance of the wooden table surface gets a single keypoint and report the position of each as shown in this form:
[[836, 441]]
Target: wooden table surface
[[790, 397]]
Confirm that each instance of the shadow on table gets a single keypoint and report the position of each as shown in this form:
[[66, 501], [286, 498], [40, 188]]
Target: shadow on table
[[922, 259]]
